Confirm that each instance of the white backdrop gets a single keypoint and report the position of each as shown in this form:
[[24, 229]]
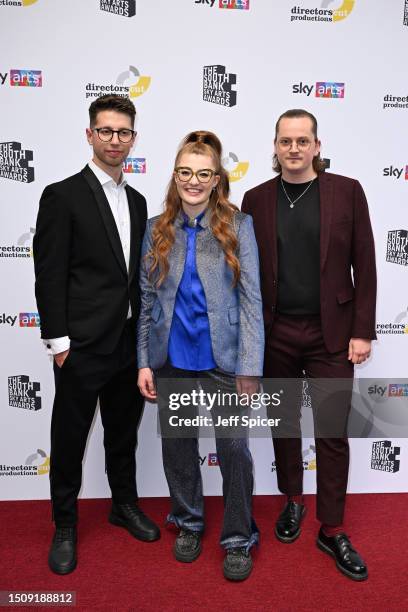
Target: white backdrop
[[57, 54]]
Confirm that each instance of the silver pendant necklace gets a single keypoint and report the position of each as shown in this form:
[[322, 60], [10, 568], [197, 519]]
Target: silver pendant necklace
[[293, 202]]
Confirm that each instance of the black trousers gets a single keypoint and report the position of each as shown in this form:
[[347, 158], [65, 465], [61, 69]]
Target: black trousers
[[294, 349], [78, 383]]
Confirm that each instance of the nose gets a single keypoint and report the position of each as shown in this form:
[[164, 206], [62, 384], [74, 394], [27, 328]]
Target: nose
[[194, 180], [292, 144], [115, 138]]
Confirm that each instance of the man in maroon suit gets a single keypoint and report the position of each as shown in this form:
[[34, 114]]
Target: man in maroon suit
[[319, 293]]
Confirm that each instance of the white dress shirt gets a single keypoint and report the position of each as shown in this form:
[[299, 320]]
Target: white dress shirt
[[118, 202]]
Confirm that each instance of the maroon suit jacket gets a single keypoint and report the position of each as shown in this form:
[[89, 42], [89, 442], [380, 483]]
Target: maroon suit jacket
[[346, 244]]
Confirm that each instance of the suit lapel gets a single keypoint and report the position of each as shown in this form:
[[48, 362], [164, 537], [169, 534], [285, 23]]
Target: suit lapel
[[107, 216], [326, 209], [134, 233], [270, 205]]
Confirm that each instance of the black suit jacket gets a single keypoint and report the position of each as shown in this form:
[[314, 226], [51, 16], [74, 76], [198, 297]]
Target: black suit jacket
[[348, 284], [82, 285]]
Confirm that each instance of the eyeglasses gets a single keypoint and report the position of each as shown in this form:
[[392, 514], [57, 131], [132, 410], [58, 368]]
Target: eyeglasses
[[303, 144], [186, 174], [106, 134]]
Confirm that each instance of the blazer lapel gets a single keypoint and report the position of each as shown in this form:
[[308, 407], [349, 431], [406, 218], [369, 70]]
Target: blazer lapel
[[270, 205], [326, 209], [135, 238], [107, 216]]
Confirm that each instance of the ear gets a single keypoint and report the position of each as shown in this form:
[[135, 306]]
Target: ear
[[318, 145], [89, 135]]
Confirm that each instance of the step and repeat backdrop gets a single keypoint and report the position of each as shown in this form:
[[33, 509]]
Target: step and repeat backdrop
[[230, 66]]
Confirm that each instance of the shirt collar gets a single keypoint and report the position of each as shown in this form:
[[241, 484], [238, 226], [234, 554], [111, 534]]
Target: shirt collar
[[103, 177], [202, 220]]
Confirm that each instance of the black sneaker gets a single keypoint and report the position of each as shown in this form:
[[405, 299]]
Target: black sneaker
[[237, 564], [187, 546]]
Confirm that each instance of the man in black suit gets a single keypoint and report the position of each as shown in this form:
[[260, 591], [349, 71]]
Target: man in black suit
[[86, 254]]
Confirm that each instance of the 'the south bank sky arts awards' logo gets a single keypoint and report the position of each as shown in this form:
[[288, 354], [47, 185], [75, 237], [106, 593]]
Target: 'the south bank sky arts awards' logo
[[397, 247], [14, 162], [124, 8], [23, 393], [129, 84], [384, 456], [22, 250], [322, 89], [236, 169], [36, 464], [217, 86], [329, 11]]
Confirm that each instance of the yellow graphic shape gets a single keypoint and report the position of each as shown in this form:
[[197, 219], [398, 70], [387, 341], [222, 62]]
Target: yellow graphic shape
[[44, 468], [139, 88], [28, 2], [406, 329], [344, 11], [312, 465], [239, 171]]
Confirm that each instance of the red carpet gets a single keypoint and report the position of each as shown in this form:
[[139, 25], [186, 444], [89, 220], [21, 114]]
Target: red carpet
[[116, 572]]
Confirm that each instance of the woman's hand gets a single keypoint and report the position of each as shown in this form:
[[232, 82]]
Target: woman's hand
[[247, 385], [146, 384]]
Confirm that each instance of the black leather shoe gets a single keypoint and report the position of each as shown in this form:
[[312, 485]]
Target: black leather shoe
[[237, 564], [62, 557], [287, 528], [187, 546], [347, 559], [135, 521]]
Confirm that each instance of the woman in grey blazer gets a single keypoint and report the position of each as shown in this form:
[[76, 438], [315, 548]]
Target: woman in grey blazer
[[201, 321]]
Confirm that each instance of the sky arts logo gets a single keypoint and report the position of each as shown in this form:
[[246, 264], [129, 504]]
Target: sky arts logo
[[397, 247], [124, 8], [217, 86], [235, 168], [384, 457], [134, 165], [36, 464], [212, 459], [322, 89], [23, 393], [396, 172], [6, 319], [14, 162], [22, 250], [17, 2], [22, 78], [390, 390], [29, 319], [129, 83], [324, 13], [226, 4]]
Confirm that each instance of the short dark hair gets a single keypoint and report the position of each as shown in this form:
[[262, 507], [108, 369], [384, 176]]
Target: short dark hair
[[318, 163], [112, 102]]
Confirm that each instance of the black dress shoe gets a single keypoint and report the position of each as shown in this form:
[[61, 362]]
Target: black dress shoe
[[135, 521], [237, 564], [287, 527], [187, 546], [62, 557], [347, 559]]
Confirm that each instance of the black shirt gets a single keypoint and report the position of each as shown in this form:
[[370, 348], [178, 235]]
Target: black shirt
[[298, 234]]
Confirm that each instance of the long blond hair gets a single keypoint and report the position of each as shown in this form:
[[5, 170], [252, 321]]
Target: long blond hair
[[221, 217]]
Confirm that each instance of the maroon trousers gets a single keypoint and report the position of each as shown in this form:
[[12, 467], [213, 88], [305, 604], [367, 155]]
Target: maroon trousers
[[295, 349]]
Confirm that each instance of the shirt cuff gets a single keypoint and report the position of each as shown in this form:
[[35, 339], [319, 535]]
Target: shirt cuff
[[57, 345]]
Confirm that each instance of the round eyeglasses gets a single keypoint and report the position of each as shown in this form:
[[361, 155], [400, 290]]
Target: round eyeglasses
[[106, 134], [302, 144], [185, 174]]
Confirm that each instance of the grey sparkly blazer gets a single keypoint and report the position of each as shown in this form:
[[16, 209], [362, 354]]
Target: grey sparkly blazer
[[234, 313]]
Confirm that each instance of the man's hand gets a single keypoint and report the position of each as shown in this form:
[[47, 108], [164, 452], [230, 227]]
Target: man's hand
[[359, 350], [146, 384], [61, 357], [247, 385]]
